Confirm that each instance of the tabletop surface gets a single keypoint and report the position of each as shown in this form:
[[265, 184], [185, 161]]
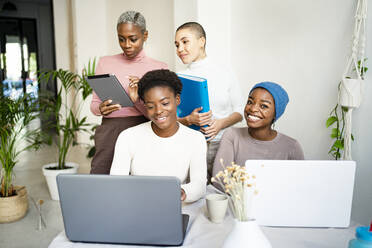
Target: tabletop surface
[[202, 233]]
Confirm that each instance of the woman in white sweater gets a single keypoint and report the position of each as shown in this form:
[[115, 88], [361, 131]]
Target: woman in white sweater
[[163, 146], [225, 99]]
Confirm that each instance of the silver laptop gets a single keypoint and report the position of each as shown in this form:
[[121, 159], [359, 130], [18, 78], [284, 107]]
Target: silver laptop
[[142, 210], [306, 193]]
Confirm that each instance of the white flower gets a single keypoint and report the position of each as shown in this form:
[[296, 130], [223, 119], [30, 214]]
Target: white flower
[[234, 178]]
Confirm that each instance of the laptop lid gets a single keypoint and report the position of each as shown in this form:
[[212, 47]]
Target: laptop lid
[[307, 193], [121, 209]]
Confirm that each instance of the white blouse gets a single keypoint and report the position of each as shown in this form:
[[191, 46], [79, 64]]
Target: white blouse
[[140, 151], [223, 88]]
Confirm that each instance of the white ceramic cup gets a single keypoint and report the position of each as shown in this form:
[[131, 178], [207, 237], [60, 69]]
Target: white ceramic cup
[[216, 206]]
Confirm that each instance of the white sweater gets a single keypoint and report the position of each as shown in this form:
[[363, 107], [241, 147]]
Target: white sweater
[[140, 151], [224, 91]]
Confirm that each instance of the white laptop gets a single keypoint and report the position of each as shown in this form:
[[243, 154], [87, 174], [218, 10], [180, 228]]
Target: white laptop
[[302, 193]]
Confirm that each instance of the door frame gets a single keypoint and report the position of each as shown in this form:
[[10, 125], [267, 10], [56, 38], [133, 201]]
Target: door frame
[[21, 36]]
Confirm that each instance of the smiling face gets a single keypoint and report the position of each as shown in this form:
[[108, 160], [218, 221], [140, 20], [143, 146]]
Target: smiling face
[[161, 104], [190, 48], [131, 39], [260, 109]]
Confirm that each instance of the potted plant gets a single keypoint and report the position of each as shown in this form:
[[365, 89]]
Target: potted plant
[[65, 118], [15, 116], [240, 188], [349, 97]]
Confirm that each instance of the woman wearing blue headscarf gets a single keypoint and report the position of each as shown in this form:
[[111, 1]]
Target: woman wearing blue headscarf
[[266, 103]]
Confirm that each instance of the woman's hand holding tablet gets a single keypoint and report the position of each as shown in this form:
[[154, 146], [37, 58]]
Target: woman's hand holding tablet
[[107, 108], [111, 92]]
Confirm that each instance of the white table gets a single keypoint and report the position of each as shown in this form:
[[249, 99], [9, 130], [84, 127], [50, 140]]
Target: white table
[[201, 233]]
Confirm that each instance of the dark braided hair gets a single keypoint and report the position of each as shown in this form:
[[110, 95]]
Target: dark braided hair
[[163, 78]]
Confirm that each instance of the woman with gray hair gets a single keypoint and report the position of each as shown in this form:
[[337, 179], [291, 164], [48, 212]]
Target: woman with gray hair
[[128, 67]]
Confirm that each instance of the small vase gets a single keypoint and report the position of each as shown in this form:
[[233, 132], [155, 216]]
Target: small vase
[[246, 234]]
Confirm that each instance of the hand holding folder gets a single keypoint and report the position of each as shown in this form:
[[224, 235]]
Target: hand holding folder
[[199, 118], [194, 97]]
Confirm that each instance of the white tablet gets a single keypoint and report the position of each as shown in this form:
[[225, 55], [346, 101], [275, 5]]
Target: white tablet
[[107, 86]]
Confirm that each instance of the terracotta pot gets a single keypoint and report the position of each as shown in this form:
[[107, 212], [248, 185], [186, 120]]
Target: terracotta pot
[[14, 208], [51, 177]]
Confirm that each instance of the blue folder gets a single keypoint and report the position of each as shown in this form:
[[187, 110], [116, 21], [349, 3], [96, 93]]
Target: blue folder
[[194, 95]]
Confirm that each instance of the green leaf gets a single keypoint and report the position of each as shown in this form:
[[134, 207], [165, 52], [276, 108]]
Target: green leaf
[[91, 152], [335, 133], [335, 153], [93, 72], [82, 121], [345, 109], [338, 144], [331, 120]]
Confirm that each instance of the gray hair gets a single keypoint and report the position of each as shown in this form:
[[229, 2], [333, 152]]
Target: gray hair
[[133, 17]]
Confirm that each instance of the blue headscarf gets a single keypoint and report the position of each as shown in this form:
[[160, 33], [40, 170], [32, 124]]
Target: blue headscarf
[[279, 94]]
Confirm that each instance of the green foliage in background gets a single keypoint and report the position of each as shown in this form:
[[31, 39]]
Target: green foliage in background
[[15, 118], [64, 114]]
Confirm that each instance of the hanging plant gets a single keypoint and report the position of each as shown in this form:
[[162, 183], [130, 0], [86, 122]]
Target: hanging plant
[[337, 121]]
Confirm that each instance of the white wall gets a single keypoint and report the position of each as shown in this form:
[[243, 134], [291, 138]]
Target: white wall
[[303, 45], [89, 30], [361, 150], [89, 39], [184, 11], [62, 33], [216, 22]]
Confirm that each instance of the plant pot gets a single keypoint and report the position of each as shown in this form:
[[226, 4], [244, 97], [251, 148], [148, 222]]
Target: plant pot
[[51, 175], [14, 208], [246, 234], [350, 92]]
